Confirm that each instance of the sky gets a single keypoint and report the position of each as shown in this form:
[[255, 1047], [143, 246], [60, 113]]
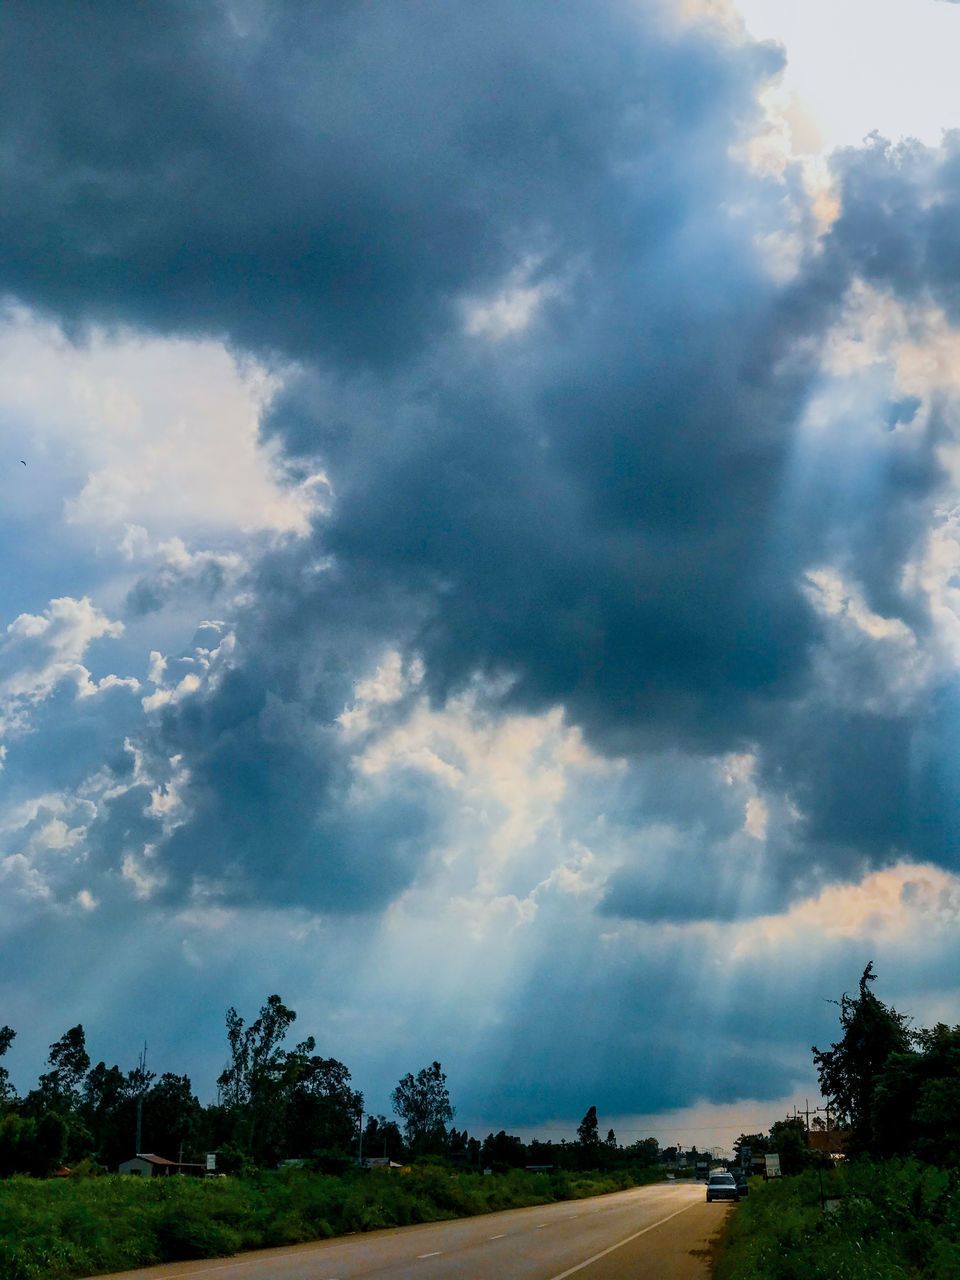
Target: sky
[[480, 510]]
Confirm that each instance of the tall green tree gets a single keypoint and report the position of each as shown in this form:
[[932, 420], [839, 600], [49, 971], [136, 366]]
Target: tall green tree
[[503, 1151], [423, 1104], [108, 1114], [916, 1100], [322, 1111], [59, 1088], [7, 1091], [788, 1138], [55, 1104], [382, 1137], [588, 1141], [849, 1069], [251, 1085], [171, 1117]]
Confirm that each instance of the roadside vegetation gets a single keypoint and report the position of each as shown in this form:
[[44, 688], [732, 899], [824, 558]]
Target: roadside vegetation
[[890, 1210], [285, 1130], [892, 1220], [56, 1229]]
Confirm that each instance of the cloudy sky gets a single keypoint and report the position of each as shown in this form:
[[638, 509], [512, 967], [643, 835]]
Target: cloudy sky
[[480, 504]]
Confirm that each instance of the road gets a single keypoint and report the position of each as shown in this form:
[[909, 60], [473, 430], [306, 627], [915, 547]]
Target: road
[[661, 1232]]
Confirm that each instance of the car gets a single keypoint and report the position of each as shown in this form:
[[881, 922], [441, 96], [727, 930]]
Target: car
[[722, 1186]]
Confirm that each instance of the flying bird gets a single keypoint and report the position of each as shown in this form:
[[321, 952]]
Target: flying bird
[[23, 462]]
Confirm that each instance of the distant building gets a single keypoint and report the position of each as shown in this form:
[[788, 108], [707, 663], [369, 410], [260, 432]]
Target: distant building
[[150, 1166]]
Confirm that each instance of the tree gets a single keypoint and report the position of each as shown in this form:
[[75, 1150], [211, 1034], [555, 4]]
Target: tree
[[589, 1153], [645, 1151], [171, 1117], [503, 1151], [788, 1138], [423, 1104], [58, 1096], [59, 1088], [588, 1130], [251, 1084], [916, 1100], [323, 1111], [382, 1138], [108, 1114], [849, 1069], [7, 1091]]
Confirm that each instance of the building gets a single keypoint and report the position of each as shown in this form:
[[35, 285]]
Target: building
[[150, 1166]]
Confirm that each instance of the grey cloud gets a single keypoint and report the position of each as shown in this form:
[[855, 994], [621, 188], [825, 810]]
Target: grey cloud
[[327, 178], [592, 508]]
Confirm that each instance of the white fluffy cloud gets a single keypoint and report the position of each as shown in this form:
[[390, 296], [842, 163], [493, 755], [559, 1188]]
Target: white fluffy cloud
[[157, 432], [39, 651]]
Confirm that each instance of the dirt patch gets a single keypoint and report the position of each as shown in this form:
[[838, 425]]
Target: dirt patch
[[709, 1255]]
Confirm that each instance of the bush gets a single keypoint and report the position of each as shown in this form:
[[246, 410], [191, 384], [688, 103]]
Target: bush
[[896, 1220]]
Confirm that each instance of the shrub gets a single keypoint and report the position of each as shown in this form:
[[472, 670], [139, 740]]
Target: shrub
[[61, 1228]]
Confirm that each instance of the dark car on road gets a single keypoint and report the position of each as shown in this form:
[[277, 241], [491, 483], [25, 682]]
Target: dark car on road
[[722, 1186]]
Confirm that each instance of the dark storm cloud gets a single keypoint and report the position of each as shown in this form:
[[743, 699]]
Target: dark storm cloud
[[272, 804], [899, 223], [590, 508], [324, 177]]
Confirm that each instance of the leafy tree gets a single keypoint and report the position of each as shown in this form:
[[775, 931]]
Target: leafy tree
[[588, 1141], [323, 1111], [503, 1151], [107, 1113], [382, 1138], [58, 1094], [788, 1138], [645, 1151], [423, 1104], [540, 1152], [59, 1088], [171, 1117], [251, 1085], [588, 1130], [31, 1145], [7, 1091], [849, 1069], [916, 1100]]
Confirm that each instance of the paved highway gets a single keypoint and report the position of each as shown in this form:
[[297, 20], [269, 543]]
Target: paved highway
[[662, 1232]]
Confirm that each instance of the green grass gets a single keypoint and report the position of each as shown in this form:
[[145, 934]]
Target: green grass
[[62, 1228], [897, 1220]]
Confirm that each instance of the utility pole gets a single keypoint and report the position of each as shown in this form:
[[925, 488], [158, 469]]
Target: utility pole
[[360, 1147], [141, 1076]]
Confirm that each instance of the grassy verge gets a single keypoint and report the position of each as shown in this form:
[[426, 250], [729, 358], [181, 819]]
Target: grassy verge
[[899, 1220], [59, 1229]]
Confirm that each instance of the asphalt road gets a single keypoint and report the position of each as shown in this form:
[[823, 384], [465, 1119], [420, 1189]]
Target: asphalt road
[[662, 1232]]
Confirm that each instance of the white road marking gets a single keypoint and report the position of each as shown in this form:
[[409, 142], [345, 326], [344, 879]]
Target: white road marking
[[619, 1245], [436, 1254]]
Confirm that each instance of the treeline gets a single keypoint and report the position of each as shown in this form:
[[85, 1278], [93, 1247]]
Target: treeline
[[274, 1104], [893, 1090], [896, 1087], [889, 1209]]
